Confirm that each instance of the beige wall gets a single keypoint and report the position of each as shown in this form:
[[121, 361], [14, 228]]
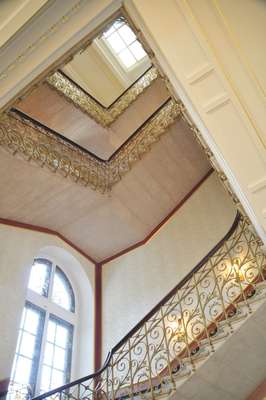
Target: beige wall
[[18, 249], [213, 60], [137, 281]]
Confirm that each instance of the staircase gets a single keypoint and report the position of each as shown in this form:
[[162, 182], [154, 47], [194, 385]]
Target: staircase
[[209, 309]]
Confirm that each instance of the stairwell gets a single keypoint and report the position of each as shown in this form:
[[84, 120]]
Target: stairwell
[[194, 343]]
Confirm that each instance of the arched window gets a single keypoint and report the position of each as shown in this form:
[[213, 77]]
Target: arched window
[[45, 341]]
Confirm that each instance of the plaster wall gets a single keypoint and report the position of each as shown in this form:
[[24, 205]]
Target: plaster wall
[[202, 47], [19, 247], [138, 280]]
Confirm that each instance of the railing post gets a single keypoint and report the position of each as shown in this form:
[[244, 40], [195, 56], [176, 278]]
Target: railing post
[[149, 360]]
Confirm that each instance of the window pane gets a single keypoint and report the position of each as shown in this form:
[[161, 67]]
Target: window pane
[[31, 321], [51, 331], [59, 358], [137, 50], [127, 59], [48, 354], [46, 377], [23, 370], [58, 378], [57, 354], [109, 31], [62, 291], [116, 42], [27, 346], [26, 360], [39, 277], [127, 34], [61, 336]]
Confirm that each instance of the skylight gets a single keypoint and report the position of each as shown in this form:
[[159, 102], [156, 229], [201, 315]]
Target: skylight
[[124, 44]]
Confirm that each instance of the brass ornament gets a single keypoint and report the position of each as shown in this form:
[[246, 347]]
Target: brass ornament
[[102, 115], [20, 136]]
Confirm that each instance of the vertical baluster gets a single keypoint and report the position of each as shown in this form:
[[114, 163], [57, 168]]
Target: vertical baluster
[[221, 297], [167, 349], [203, 313], [112, 374], [130, 370], [237, 279], [185, 332], [78, 396], [149, 360]]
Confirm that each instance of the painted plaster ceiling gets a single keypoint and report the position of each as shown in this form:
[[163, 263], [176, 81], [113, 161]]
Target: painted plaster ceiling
[[151, 178]]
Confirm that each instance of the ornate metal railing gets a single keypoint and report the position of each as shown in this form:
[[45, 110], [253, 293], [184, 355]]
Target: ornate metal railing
[[184, 327], [36, 143], [105, 116]]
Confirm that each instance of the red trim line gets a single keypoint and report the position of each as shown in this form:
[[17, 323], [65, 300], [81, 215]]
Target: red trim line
[[148, 237], [259, 392], [120, 253], [48, 231], [98, 317]]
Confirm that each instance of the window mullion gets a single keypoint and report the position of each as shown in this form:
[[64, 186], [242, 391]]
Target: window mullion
[[39, 373]]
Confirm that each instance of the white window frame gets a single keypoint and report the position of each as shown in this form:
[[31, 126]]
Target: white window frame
[[51, 308]]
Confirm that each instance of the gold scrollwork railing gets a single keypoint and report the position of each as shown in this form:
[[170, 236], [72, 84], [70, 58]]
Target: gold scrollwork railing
[[184, 327], [105, 116], [37, 143]]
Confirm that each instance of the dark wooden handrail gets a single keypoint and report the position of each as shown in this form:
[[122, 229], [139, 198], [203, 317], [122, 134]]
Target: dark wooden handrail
[[149, 315]]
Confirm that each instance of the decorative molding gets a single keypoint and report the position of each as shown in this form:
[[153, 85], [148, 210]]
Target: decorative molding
[[55, 27], [236, 44], [216, 102], [257, 186], [259, 134], [86, 103], [200, 73], [35, 143]]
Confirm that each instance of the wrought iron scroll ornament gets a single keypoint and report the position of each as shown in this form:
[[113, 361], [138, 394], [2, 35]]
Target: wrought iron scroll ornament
[[184, 327], [86, 103], [35, 143]]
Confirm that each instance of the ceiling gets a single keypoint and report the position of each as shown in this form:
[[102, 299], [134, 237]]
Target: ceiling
[[102, 225]]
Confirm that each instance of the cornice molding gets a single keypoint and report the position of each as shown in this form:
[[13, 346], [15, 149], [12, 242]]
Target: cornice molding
[[36, 228], [20, 136], [37, 42]]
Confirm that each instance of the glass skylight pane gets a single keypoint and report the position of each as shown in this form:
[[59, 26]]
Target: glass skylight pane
[[48, 354], [31, 321], [127, 34], [116, 42], [118, 23], [138, 51], [39, 278], [59, 358], [61, 336], [109, 31], [23, 370], [127, 59], [27, 345], [60, 293]]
